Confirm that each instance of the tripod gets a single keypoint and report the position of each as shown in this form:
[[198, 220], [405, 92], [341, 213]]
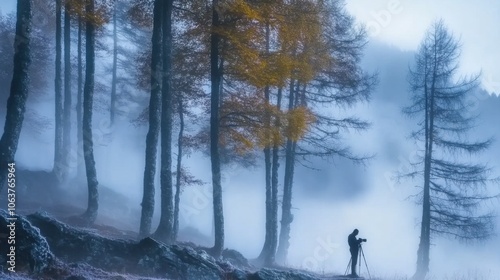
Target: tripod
[[360, 253]]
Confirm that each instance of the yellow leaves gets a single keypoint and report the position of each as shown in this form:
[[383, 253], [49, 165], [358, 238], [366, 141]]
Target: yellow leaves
[[249, 122], [99, 17], [298, 121], [241, 8]]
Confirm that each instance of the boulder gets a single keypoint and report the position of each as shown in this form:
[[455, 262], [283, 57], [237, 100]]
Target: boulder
[[31, 249]]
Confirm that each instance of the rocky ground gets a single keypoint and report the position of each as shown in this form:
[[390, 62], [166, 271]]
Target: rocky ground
[[50, 249], [53, 243]]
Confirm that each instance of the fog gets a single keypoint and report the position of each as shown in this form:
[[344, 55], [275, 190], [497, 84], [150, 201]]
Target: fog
[[327, 202]]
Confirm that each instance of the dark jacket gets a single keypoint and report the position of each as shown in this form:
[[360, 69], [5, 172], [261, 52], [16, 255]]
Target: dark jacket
[[353, 242]]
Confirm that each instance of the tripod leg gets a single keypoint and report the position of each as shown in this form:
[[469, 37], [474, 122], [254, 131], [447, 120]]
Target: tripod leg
[[348, 265], [369, 276], [359, 259]]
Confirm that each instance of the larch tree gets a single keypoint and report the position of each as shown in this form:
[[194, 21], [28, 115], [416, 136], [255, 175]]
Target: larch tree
[[113, 105], [453, 189], [215, 82], [165, 231], [79, 99], [59, 164], [332, 76], [148, 199], [16, 104], [67, 109], [88, 94]]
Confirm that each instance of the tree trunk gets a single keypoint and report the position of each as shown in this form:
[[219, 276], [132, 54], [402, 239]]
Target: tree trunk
[[59, 108], [164, 231], [266, 249], [286, 212], [18, 89], [67, 91], [79, 104], [215, 78], [148, 198], [179, 169], [112, 109], [423, 253], [274, 190], [88, 94]]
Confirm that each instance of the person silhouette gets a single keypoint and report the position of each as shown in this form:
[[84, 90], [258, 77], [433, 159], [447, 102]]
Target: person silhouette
[[354, 249]]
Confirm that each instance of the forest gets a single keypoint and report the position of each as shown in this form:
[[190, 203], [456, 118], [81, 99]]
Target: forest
[[242, 139]]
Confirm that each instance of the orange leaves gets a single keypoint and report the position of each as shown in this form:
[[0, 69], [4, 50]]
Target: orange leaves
[[248, 123], [298, 121], [99, 17]]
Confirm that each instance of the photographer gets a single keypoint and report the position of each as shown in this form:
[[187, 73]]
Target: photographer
[[354, 249]]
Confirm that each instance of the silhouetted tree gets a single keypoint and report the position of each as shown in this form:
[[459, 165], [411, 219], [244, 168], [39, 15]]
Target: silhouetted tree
[[88, 94], [452, 189], [154, 123], [59, 105], [66, 145], [215, 79], [112, 107], [179, 171], [79, 100], [165, 228], [18, 89]]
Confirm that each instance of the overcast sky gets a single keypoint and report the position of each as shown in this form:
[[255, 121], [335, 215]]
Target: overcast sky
[[402, 23]]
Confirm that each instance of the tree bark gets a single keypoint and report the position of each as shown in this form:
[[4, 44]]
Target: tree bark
[[274, 190], [423, 258], [165, 231], [59, 106], [179, 169], [266, 249], [112, 109], [18, 90], [215, 78], [79, 104], [148, 198], [286, 212], [67, 92], [88, 94]]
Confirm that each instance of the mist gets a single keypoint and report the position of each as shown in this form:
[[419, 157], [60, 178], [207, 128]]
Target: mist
[[331, 197], [328, 201]]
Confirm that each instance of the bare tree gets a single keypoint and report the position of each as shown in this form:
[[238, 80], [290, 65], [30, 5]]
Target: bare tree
[[453, 190]]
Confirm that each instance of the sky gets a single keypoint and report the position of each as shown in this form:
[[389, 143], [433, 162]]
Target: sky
[[402, 24], [330, 202]]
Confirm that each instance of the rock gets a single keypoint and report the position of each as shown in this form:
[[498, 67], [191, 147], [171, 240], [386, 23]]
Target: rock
[[147, 257], [55, 250], [236, 258], [267, 274], [32, 252]]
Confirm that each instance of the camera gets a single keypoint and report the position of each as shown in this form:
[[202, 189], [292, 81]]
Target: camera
[[363, 240]]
